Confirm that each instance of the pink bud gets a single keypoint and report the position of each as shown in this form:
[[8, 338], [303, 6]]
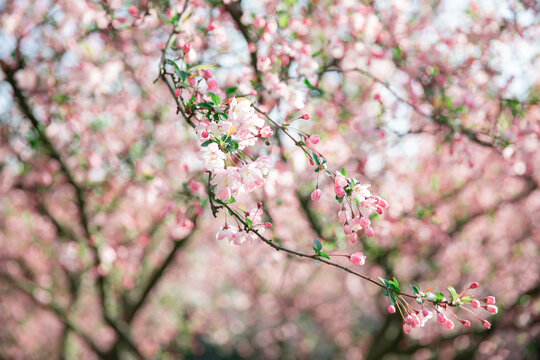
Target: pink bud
[[314, 139], [212, 84], [177, 92], [425, 312], [492, 309], [490, 300], [207, 74], [204, 134], [486, 324], [370, 232], [392, 309], [382, 203], [259, 204], [466, 323], [340, 192], [186, 48], [408, 319], [347, 229], [406, 328], [449, 324], [211, 26], [352, 238], [475, 304], [316, 194], [358, 258], [133, 10], [364, 222], [474, 285], [441, 319], [192, 80], [268, 225], [306, 116]]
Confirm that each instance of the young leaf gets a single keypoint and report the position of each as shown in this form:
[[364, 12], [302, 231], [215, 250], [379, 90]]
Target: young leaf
[[343, 172], [324, 255], [317, 246], [215, 98]]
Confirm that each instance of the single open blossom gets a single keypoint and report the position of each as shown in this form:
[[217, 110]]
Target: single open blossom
[[358, 258], [340, 181], [213, 157], [226, 233], [361, 192], [316, 194], [252, 176]]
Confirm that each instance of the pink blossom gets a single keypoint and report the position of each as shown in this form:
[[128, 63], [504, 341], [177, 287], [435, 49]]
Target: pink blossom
[[266, 132], [268, 225], [441, 318], [340, 192], [212, 84], [449, 324], [177, 92], [211, 26], [352, 238], [492, 309], [370, 232], [207, 74], [466, 323], [314, 139], [340, 181], [490, 300], [392, 309], [226, 233], [474, 285], [358, 258], [186, 48], [133, 10], [316, 194], [475, 304], [425, 312], [486, 324], [406, 328], [306, 116], [204, 134]]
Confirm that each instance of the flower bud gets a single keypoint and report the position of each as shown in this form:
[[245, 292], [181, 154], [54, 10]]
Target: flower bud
[[306, 116], [490, 300], [486, 324], [316, 194], [492, 309], [133, 10], [204, 134], [392, 309], [268, 225], [441, 319], [474, 285], [370, 232], [186, 48], [466, 323], [314, 139], [177, 92], [475, 304]]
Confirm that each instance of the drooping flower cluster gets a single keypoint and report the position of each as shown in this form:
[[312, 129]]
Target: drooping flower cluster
[[413, 318]]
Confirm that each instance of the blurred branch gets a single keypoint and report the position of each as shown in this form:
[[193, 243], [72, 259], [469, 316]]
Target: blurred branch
[[134, 307], [57, 310]]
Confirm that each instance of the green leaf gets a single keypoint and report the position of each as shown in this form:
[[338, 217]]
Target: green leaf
[[439, 296], [249, 222], [317, 246], [206, 143], [324, 255], [316, 158], [343, 172], [415, 289], [231, 90], [215, 98], [231, 200], [454, 293]]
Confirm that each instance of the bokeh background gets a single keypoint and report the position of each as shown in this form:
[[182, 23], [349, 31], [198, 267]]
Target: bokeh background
[[107, 242]]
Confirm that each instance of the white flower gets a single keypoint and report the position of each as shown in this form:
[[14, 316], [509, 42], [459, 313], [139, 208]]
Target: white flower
[[252, 176], [226, 233], [213, 157], [361, 192]]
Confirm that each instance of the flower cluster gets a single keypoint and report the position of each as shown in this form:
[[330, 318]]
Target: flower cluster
[[413, 317]]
